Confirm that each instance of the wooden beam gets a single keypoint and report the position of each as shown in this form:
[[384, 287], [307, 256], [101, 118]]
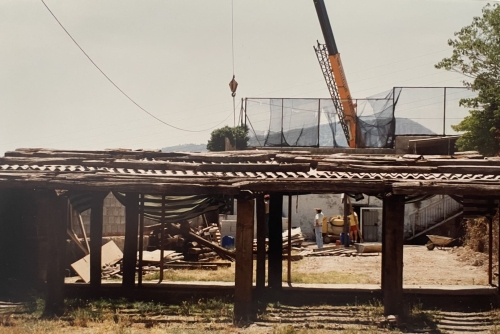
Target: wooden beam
[[392, 253], [275, 254], [130, 247], [468, 187], [96, 221], [56, 212], [244, 259], [261, 244]]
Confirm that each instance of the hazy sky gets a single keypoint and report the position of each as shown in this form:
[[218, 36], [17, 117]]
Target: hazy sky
[[174, 59]]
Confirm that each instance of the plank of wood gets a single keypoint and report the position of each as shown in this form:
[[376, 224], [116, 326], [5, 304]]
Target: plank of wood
[[154, 256], [110, 254]]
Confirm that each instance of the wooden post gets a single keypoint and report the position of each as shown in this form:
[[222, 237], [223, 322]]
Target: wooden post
[[56, 212], [392, 253], [141, 240], [490, 249], [162, 238], [498, 252], [261, 244], [289, 248], [130, 247], [275, 254], [96, 209], [244, 259]]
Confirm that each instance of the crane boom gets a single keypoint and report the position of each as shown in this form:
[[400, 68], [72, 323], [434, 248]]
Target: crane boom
[[331, 66]]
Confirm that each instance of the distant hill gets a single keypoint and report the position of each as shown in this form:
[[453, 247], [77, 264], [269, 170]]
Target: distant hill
[[186, 148], [376, 134]]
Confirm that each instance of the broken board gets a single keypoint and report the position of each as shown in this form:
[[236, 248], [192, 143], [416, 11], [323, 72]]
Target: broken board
[[110, 254], [154, 256]]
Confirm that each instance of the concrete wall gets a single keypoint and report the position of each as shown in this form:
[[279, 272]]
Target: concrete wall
[[113, 219]]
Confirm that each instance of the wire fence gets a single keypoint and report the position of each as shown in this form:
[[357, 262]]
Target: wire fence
[[310, 122]]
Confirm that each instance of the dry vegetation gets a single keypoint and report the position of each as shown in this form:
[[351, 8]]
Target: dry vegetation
[[210, 316], [216, 315]]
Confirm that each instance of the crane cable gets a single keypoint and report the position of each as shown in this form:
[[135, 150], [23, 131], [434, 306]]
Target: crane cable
[[233, 85]]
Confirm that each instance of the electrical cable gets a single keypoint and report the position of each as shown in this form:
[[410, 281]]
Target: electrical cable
[[111, 81]]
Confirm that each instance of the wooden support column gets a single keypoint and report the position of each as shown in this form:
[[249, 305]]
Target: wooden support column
[[275, 254], [244, 259], [261, 244], [96, 209], [392, 253], [130, 247], [490, 249], [56, 213], [289, 248], [141, 240], [498, 252]]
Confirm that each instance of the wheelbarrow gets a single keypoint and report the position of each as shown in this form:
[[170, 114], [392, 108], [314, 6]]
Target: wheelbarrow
[[438, 241]]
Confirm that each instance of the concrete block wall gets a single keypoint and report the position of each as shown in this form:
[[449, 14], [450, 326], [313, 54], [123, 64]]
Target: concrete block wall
[[113, 219]]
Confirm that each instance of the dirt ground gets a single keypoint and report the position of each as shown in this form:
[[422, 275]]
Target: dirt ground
[[449, 266]]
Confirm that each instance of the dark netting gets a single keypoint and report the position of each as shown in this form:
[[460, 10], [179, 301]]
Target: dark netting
[[283, 122], [331, 133], [412, 111], [376, 122]]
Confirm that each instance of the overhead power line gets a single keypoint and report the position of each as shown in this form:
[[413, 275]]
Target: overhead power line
[[114, 84]]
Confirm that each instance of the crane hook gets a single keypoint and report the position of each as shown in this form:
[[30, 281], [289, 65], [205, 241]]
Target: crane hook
[[233, 85]]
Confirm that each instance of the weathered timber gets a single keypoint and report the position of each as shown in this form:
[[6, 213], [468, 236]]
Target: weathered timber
[[96, 222], [275, 254], [244, 259], [392, 253], [260, 275], [479, 169], [222, 252], [317, 185], [56, 213], [322, 166], [368, 247], [454, 187], [130, 247]]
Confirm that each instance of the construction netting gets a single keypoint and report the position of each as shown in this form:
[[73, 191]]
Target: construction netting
[[279, 122]]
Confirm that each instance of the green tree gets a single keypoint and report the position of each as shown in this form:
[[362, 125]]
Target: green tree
[[476, 54], [238, 137]]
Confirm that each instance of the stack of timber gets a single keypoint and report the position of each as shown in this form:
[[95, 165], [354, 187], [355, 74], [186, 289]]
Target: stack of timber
[[210, 233], [182, 238], [332, 251], [200, 253], [296, 240]]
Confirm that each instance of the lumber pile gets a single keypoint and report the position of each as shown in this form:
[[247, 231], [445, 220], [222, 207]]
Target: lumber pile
[[210, 233], [296, 240], [333, 251]]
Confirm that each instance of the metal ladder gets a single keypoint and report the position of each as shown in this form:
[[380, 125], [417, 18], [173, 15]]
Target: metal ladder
[[326, 68]]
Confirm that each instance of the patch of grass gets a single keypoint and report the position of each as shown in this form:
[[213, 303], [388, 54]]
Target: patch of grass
[[420, 318], [185, 275], [329, 277], [35, 307], [208, 308], [374, 308]]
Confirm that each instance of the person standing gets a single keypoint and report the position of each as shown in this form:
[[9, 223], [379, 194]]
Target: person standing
[[318, 227], [353, 229], [266, 204]]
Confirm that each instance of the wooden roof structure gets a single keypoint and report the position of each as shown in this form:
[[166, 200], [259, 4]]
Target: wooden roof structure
[[247, 174], [230, 172]]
